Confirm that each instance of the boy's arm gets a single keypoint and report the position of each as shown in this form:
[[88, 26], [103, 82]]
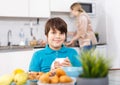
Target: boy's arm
[[75, 59], [35, 63]]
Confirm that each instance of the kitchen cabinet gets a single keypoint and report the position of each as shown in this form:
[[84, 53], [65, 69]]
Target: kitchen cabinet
[[60, 5], [102, 49], [12, 60], [113, 31], [24, 8], [63, 5], [39, 8], [18, 8]]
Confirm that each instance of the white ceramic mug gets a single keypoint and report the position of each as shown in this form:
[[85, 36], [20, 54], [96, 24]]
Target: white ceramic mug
[[60, 60]]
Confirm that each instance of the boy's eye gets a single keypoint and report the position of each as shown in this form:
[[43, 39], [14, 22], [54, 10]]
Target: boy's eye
[[53, 32], [62, 33]]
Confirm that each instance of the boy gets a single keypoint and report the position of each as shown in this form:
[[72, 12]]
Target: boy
[[55, 31]]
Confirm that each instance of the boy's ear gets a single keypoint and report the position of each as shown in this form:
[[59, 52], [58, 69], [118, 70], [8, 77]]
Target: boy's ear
[[46, 36]]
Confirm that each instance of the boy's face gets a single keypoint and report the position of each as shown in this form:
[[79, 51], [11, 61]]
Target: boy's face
[[55, 39]]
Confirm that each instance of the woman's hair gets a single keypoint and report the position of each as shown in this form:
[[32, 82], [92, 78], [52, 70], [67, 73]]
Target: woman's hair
[[76, 6], [56, 23]]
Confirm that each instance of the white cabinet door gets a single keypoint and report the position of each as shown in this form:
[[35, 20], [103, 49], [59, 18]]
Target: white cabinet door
[[64, 5], [24, 8], [60, 5], [39, 8], [12, 60], [102, 49], [14, 8]]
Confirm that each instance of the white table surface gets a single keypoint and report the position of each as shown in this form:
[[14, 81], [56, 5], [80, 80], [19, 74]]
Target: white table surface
[[114, 77]]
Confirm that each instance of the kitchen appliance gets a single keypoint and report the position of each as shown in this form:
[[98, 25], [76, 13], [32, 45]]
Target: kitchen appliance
[[89, 7]]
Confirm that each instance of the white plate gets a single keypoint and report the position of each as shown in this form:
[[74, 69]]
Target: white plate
[[71, 83]]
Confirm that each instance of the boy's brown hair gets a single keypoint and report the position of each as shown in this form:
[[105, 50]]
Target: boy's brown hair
[[56, 23]]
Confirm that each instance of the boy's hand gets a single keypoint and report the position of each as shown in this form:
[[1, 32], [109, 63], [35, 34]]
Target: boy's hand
[[66, 62], [57, 64]]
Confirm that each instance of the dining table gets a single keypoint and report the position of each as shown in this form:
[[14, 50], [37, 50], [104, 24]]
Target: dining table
[[113, 77]]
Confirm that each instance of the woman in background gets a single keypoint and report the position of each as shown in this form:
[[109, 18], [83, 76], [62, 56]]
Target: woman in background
[[84, 32]]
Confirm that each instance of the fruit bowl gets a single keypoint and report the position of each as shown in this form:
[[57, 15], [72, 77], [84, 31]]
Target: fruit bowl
[[31, 82], [73, 71]]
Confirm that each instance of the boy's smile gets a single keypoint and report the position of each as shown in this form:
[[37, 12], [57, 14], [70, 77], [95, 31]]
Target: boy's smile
[[55, 39]]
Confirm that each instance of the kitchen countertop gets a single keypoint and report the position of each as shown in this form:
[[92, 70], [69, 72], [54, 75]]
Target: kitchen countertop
[[25, 48], [15, 48]]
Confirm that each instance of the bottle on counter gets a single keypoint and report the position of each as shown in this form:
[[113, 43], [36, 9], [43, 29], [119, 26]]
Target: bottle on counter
[[26, 42], [22, 35]]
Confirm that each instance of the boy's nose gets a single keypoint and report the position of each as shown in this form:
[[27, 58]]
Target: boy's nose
[[57, 35]]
